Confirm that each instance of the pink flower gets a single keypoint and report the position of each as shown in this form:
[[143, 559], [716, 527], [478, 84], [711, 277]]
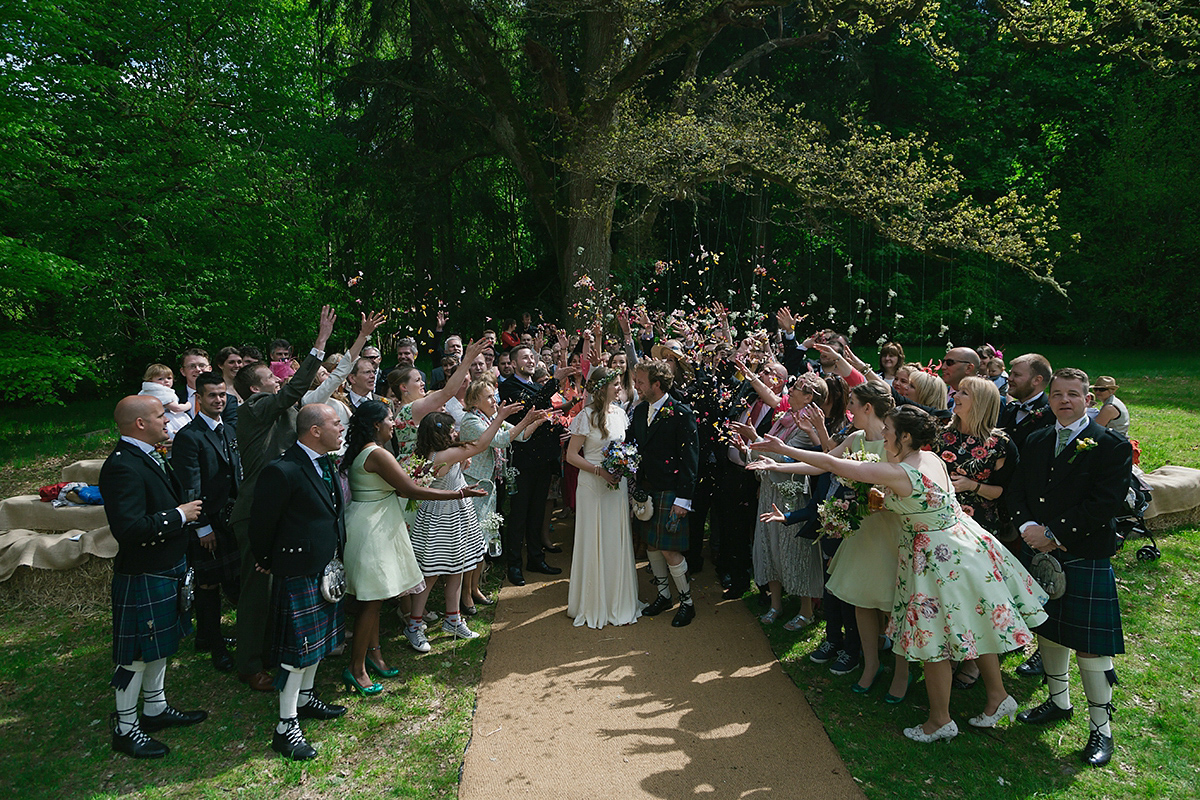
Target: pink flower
[[979, 452], [911, 613], [948, 456], [949, 438], [1022, 638], [1001, 616], [920, 541]]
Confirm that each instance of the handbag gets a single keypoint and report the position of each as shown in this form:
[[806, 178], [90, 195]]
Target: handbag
[[643, 505], [1048, 572], [333, 581]]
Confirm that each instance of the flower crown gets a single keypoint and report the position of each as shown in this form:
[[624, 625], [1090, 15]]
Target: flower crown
[[595, 385]]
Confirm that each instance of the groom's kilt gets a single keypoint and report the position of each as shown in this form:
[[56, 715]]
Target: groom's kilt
[[147, 624], [1087, 617], [304, 627], [223, 565], [655, 531]]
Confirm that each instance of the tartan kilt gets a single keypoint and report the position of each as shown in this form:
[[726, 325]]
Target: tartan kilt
[[654, 532], [147, 624], [1087, 617], [220, 566], [304, 627]]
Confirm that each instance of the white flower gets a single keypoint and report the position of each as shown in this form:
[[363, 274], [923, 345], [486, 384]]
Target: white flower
[[832, 311], [967, 314], [859, 303], [891, 293], [812, 298], [868, 312], [996, 321], [849, 269], [899, 317], [579, 251], [852, 330], [942, 330], [882, 340]]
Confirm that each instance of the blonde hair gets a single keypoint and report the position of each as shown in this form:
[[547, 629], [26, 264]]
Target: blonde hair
[[478, 389], [985, 407], [928, 390], [156, 371]]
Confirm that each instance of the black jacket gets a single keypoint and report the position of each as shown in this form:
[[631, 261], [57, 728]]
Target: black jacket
[[669, 447], [141, 502], [543, 449], [1076, 494], [1040, 417], [296, 523], [208, 463]]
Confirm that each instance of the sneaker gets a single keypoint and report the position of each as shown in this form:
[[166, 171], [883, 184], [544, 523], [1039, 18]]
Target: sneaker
[[845, 662], [825, 652], [416, 638], [458, 629]]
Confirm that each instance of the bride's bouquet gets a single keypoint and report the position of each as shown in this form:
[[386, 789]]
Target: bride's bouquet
[[620, 459], [843, 513], [421, 470]]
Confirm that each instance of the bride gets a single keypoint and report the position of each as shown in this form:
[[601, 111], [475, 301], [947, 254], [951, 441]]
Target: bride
[[603, 587]]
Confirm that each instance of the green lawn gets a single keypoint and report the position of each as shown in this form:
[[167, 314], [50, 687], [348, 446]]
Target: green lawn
[[409, 742]]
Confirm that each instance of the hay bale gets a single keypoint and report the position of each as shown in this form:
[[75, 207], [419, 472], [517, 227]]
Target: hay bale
[[86, 589]]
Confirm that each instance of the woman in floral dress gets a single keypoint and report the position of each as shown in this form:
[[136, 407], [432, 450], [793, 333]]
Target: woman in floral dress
[[959, 593], [980, 459]]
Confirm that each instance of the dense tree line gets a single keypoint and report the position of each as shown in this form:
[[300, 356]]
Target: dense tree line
[[208, 172]]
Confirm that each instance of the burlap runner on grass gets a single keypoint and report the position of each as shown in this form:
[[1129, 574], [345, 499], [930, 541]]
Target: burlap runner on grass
[[644, 710]]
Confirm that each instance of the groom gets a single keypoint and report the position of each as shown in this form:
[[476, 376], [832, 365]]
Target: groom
[[665, 432]]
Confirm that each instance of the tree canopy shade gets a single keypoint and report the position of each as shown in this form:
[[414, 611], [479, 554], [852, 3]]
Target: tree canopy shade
[[606, 108]]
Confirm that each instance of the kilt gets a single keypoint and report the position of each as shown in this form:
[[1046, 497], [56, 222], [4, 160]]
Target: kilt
[[1087, 617], [655, 533], [304, 627], [147, 624], [223, 565]]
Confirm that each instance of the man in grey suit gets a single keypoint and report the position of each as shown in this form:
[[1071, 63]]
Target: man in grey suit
[[266, 428]]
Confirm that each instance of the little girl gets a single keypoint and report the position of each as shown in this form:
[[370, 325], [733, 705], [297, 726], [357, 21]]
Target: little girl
[[445, 535], [157, 383]]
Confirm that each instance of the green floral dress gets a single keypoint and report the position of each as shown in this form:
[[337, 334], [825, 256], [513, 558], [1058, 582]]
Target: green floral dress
[[959, 592]]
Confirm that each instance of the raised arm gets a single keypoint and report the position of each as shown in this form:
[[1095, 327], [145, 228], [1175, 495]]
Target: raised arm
[[436, 399], [886, 474], [453, 455], [383, 464]]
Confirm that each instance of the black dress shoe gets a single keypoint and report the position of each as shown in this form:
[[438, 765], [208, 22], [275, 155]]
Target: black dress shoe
[[552, 549], [173, 718], [684, 616], [1099, 749], [222, 661], [1032, 667], [515, 577], [542, 567], [659, 605], [1046, 712], [316, 708], [291, 743], [136, 743]]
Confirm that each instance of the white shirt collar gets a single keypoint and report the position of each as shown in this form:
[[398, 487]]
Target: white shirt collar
[[143, 446], [313, 455], [355, 399], [1077, 427], [212, 423]]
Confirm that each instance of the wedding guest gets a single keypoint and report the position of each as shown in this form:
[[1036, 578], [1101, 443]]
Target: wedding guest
[[948, 564], [408, 387], [1113, 413], [929, 391], [193, 361], [446, 536], [1028, 377], [144, 512], [379, 558], [157, 382], [958, 363], [229, 361], [891, 359], [1072, 481]]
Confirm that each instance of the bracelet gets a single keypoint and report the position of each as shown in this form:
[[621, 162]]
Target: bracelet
[[462, 494]]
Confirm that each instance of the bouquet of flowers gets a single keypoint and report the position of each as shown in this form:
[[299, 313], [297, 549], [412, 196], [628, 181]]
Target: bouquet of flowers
[[421, 470], [621, 459], [843, 513], [510, 478]]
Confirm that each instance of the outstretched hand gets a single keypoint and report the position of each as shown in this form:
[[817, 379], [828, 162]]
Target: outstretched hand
[[475, 350], [506, 411], [768, 444], [784, 317], [370, 323], [473, 490], [325, 326], [774, 515], [763, 465]]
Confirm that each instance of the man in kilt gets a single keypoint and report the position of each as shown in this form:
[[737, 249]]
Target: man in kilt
[[1071, 483], [141, 501], [297, 528], [206, 459], [665, 432]]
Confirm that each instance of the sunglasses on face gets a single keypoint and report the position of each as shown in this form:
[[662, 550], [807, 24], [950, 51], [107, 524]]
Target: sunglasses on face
[[950, 362]]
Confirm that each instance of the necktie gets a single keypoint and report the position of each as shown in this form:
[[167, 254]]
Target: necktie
[[650, 415], [157, 456], [326, 473], [1064, 435]]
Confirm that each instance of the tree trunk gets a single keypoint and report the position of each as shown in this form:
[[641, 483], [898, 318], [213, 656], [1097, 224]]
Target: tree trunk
[[587, 250]]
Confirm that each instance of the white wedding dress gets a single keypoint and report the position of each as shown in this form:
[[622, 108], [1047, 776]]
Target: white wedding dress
[[603, 586]]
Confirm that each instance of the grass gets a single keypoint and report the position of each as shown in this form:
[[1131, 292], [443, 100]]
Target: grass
[[409, 742]]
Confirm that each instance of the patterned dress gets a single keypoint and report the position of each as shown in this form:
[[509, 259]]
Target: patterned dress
[[778, 555], [445, 535], [977, 458], [959, 592]]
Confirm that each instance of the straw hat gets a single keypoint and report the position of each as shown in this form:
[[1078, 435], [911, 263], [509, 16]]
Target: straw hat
[[672, 349], [1104, 382]]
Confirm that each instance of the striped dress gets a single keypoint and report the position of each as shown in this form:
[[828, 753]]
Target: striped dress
[[445, 535]]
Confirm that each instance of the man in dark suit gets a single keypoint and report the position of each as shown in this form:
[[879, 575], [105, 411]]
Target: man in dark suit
[[146, 517], [1070, 484], [1028, 377], [297, 528], [206, 459], [266, 427], [667, 440], [536, 462]]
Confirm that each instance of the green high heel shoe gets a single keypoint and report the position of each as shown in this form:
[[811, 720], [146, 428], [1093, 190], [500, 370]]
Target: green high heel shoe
[[891, 699], [355, 686], [858, 688], [375, 669]]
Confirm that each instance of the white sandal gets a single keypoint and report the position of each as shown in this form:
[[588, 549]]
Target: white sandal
[[797, 622]]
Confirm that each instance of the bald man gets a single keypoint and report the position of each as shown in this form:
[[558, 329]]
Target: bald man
[[958, 363], [146, 517], [297, 528]]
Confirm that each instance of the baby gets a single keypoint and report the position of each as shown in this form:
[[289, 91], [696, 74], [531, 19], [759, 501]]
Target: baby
[[157, 383], [993, 368]]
